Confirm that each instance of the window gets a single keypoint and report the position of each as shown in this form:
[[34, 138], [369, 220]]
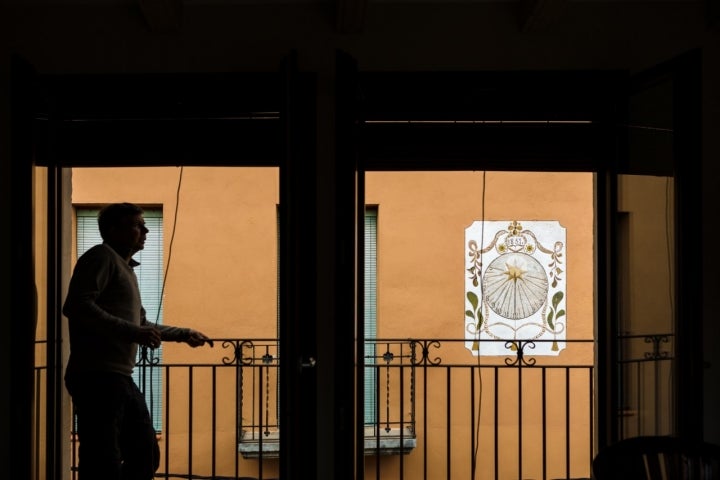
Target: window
[[150, 277], [371, 214]]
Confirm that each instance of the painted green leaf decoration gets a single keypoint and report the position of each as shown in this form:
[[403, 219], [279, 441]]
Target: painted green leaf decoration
[[559, 270], [560, 313], [469, 313], [473, 299], [557, 298], [554, 283], [475, 282], [550, 320]]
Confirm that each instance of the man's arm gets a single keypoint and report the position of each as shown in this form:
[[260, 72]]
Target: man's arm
[[178, 334], [186, 335]]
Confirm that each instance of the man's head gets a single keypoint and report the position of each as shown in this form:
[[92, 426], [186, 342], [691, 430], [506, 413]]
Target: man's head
[[123, 227]]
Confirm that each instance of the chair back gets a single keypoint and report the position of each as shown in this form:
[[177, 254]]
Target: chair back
[[657, 458]]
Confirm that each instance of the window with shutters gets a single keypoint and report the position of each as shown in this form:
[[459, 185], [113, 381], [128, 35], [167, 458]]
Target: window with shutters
[[383, 432]]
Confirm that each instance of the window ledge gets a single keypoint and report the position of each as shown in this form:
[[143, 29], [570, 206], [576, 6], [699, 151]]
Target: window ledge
[[389, 443], [250, 446]]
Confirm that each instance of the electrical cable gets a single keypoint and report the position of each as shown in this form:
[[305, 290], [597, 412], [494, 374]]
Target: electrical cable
[[162, 294], [482, 296], [668, 217], [668, 243], [170, 245]]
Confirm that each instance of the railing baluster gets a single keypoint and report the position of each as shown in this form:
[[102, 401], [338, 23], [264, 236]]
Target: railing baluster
[[544, 422], [239, 401], [425, 415], [213, 448], [448, 448], [166, 425], [472, 422], [260, 422], [190, 421], [376, 426], [591, 416], [402, 423], [567, 423], [496, 406], [520, 419]]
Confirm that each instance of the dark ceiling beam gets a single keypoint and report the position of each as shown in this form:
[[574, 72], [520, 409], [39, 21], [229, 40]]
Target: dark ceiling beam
[[350, 15], [538, 15], [162, 16]]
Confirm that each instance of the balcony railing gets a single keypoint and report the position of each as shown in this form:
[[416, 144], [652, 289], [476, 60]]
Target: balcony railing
[[434, 410]]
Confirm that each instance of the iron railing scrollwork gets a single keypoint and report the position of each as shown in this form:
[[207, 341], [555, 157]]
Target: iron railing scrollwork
[[656, 352], [520, 359]]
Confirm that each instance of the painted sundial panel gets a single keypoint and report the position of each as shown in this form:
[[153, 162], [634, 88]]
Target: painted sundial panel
[[515, 285]]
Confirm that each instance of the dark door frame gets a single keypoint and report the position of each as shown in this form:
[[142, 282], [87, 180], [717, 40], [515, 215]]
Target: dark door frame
[[438, 98], [218, 119], [182, 138]]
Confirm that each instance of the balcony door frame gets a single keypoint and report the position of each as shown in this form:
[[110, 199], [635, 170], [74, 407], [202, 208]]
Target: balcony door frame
[[188, 119], [599, 96], [44, 134]]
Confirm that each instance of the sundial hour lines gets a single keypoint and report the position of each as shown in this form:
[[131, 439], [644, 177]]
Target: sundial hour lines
[[515, 286]]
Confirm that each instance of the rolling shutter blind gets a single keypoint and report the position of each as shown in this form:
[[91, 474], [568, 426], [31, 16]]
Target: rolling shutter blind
[[370, 313], [150, 277]]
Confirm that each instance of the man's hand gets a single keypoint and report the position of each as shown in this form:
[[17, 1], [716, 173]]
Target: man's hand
[[148, 336], [196, 339]]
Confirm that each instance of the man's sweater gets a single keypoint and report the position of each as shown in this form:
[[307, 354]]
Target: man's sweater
[[105, 312]]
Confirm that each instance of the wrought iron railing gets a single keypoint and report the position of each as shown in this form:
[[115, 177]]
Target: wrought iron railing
[[40, 407], [439, 411], [646, 375]]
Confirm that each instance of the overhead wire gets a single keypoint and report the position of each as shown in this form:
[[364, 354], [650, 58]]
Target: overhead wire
[[482, 296], [162, 293], [170, 245]]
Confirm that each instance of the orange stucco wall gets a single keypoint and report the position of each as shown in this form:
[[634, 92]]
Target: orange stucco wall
[[422, 217], [222, 277], [221, 280]]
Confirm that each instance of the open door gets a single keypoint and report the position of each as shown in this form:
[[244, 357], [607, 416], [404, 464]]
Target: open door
[[349, 333], [416, 148], [656, 339], [22, 295], [262, 120]]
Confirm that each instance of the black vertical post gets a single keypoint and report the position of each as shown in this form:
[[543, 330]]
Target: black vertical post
[[609, 155], [687, 154], [349, 421], [54, 384], [298, 395], [23, 295]]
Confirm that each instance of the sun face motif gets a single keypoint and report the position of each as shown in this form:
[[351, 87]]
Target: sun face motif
[[515, 285]]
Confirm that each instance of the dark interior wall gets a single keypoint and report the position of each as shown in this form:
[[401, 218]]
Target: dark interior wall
[[5, 276], [586, 35]]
